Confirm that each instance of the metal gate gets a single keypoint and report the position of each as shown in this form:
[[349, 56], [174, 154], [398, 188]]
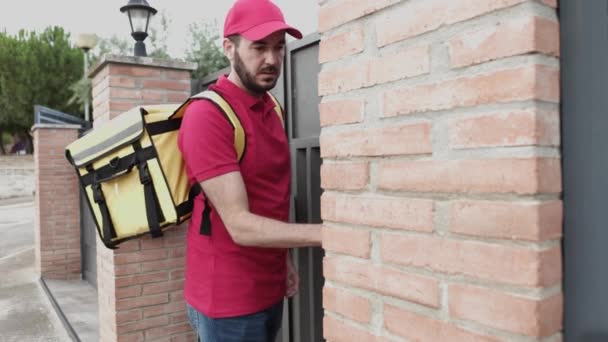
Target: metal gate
[[88, 237], [297, 91], [584, 73], [88, 242], [303, 129]]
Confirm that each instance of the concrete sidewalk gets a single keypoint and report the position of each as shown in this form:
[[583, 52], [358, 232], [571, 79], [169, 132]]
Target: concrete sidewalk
[[26, 314]]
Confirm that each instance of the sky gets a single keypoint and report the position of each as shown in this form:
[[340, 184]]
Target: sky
[[103, 17]]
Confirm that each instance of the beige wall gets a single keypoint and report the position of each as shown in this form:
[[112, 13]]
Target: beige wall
[[16, 176]]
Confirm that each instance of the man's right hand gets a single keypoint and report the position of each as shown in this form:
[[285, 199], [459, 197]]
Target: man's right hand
[[229, 197]]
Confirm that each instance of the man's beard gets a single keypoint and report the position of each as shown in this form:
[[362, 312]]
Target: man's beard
[[248, 79]]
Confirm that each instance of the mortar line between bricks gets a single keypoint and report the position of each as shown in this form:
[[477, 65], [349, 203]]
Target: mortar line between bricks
[[538, 246], [460, 112], [348, 321], [557, 337], [445, 196], [485, 154], [495, 332], [522, 61], [520, 291]]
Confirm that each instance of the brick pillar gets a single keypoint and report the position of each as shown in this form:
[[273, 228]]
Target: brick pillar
[[140, 285], [441, 170], [57, 217]]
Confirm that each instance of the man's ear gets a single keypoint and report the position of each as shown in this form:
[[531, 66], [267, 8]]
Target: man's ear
[[229, 48]]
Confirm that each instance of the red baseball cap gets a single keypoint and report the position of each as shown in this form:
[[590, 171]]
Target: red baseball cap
[[256, 20]]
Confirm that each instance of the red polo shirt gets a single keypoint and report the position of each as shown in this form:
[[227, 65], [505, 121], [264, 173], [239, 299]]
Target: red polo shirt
[[224, 279]]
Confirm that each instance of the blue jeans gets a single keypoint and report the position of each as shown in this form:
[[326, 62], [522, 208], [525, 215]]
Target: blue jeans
[[261, 326]]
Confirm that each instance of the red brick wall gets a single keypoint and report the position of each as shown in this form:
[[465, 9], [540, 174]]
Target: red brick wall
[[57, 217], [140, 285], [441, 170], [120, 87], [140, 288]]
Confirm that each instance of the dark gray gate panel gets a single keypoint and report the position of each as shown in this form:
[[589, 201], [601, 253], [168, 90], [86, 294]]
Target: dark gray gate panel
[[303, 96], [306, 309], [88, 243], [584, 55], [88, 239]]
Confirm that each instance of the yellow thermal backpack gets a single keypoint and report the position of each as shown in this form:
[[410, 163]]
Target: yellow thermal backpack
[[133, 174]]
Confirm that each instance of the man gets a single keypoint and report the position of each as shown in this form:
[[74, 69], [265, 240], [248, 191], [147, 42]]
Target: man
[[236, 277]]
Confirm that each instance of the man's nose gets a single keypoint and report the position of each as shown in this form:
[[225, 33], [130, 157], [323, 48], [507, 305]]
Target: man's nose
[[273, 57]]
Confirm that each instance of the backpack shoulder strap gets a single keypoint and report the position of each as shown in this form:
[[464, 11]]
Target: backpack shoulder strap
[[277, 108], [224, 106]]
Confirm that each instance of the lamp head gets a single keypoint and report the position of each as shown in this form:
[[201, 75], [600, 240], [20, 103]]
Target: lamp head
[[139, 13]]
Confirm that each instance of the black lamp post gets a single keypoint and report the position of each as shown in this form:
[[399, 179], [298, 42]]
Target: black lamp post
[[139, 13]]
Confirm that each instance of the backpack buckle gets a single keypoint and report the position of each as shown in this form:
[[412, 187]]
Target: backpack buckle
[[144, 174], [97, 194]]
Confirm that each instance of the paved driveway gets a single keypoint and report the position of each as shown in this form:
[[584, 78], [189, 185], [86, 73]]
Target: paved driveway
[[16, 227], [25, 311]]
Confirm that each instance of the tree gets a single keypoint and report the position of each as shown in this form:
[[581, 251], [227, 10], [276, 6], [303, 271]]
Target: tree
[[82, 88], [112, 45], [35, 69], [158, 38], [156, 44], [4, 140], [204, 50]]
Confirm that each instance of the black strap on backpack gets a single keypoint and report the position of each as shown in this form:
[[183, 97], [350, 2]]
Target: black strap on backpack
[[106, 221], [186, 207], [115, 168], [154, 213], [118, 166], [205, 228]]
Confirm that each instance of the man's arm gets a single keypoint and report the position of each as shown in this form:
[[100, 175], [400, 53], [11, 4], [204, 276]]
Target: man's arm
[[229, 197]]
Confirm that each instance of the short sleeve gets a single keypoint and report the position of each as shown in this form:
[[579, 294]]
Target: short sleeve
[[206, 140]]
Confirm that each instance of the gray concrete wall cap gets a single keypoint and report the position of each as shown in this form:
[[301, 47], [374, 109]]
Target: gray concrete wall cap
[[175, 64], [53, 126]]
